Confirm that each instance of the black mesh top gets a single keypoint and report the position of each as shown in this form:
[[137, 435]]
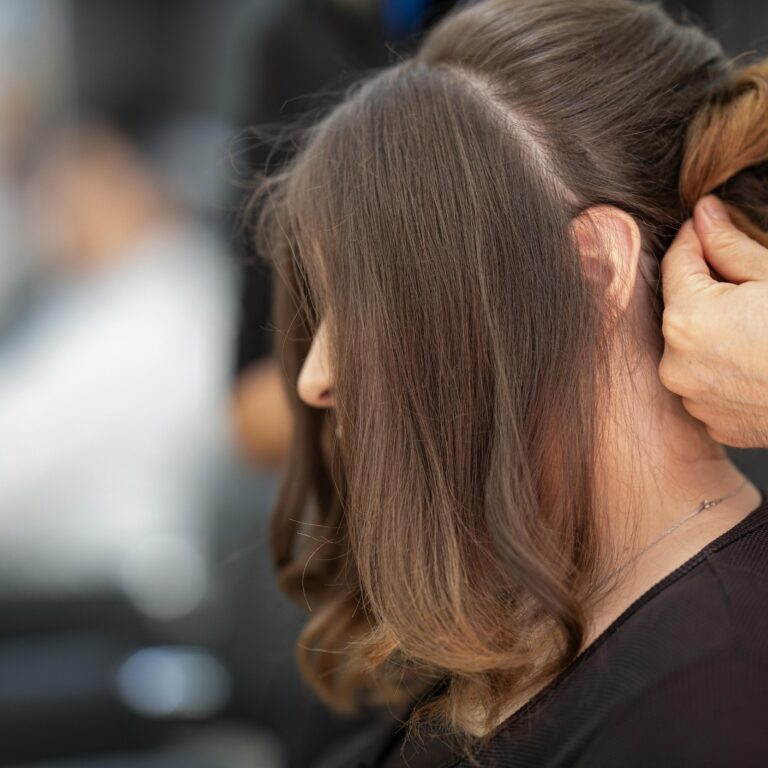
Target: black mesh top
[[679, 679]]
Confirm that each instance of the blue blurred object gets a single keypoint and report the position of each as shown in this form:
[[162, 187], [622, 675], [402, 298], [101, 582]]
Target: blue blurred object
[[403, 17], [168, 681]]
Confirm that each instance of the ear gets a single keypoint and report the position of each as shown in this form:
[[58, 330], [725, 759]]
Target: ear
[[609, 244]]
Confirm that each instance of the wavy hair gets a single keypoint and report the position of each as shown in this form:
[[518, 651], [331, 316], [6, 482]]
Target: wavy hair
[[448, 547]]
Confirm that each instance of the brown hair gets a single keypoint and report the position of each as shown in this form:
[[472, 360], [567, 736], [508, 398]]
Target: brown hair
[[454, 527], [730, 134]]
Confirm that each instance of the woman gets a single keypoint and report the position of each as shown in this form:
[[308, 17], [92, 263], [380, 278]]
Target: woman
[[506, 530]]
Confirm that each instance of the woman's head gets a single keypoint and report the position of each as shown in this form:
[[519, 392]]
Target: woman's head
[[433, 235]]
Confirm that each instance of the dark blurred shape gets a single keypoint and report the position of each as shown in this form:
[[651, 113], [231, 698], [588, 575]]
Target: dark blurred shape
[[740, 26], [57, 661]]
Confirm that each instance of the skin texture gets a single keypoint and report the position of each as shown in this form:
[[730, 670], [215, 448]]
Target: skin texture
[[716, 333]]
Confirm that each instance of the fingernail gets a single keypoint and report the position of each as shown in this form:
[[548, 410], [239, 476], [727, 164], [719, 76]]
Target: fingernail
[[714, 209]]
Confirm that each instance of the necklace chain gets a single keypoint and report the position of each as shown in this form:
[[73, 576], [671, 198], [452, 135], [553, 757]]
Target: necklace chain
[[705, 504]]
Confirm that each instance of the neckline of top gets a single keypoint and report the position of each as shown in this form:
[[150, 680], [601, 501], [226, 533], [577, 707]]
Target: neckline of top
[[752, 520]]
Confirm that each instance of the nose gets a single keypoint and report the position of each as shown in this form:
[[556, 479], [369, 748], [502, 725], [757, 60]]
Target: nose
[[314, 384]]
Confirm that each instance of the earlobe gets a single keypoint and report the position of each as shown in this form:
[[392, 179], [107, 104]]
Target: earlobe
[[609, 243]]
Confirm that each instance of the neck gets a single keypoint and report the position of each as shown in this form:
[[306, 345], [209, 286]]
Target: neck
[[657, 464]]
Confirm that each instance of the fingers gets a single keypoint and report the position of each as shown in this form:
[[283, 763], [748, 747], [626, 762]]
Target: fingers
[[724, 425], [733, 254], [683, 265]]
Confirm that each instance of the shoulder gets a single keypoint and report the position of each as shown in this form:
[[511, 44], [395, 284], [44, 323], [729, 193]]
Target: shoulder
[[739, 572], [715, 600], [705, 698], [710, 712]]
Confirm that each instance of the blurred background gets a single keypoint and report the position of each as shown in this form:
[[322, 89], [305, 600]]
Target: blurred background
[[142, 425]]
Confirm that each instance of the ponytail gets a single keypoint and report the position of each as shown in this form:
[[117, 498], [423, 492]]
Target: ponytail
[[727, 151]]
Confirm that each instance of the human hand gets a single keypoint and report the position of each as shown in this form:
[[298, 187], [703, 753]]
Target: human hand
[[716, 333]]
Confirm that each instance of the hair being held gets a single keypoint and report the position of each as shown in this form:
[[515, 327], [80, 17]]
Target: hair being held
[[452, 541]]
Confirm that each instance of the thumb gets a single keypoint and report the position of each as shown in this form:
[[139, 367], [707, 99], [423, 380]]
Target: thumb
[[683, 268], [734, 255]]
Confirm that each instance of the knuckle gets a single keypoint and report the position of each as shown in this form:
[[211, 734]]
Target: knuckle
[[716, 435], [669, 374], [693, 408], [683, 327], [673, 324], [747, 434], [726, 437]]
